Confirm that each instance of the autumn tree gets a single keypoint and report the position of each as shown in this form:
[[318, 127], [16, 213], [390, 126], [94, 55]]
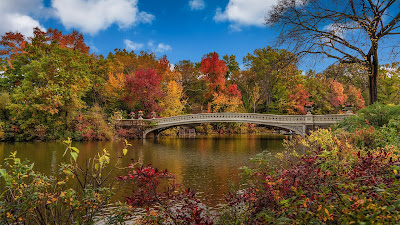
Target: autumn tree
[[354, 97], [143, 90], [214, 70], [172, 104], [50, 94], [222, 95], [46, 81], [167, 72], [122, 61], [350, 31], [338, 97], [194, 88], [271, 68], [319, 89], [298, 100], [355, 74]]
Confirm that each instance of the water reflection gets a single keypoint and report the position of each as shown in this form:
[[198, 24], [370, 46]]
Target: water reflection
[[208, 165]]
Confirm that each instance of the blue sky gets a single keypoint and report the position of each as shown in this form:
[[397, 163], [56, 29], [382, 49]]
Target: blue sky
[[180, 29]]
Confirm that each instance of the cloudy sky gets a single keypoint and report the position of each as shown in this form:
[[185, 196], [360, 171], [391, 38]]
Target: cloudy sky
[[180, 29]]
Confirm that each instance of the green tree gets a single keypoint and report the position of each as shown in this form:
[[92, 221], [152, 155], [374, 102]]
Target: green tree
[[46, 75], [193, 86], [231, 64], [50, 95], [271, 68], [389, 84]]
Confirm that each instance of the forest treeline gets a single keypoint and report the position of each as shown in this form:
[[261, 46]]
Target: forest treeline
[[53, 87]]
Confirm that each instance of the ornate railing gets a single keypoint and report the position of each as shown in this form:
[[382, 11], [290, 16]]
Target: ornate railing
[[240, 117]]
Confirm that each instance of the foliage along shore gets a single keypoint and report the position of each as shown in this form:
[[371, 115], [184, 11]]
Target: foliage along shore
[[52, 87], [347, 174]]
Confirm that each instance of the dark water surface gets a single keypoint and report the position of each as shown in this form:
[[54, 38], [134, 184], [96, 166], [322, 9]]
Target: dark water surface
[[209, 165]]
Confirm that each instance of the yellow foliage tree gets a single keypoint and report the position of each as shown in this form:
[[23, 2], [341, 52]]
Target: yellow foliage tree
[[115, 85], [172, 103], [225, 103]]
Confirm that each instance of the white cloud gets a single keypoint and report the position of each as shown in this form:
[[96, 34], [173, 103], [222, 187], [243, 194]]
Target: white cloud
[[244, 13], [130, 45], [20, 6], [158, 48], [15, 16], [197, 4], [92, 16], [163, 48]]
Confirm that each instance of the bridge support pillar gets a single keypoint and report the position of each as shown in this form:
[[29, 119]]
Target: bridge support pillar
[[309, 124]]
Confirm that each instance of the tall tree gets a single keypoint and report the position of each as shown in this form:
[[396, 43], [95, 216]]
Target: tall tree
[[231, 64], [214, 70], [194, 87], [143, 90], [271, 68], [350, 31], [173, 102]]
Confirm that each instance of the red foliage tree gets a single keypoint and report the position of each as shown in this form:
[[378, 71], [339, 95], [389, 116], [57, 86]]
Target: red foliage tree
[[73, 40], [12, 44], [234, 91], [143, 89], [214, 70], [299, 99]]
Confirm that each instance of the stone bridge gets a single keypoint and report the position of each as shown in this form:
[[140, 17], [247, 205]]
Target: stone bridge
[[299, 124]]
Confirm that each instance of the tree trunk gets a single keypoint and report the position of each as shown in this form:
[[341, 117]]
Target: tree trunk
[[372, 89], [373, 94]]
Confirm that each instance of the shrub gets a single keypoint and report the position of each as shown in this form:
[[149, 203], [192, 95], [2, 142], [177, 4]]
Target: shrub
[[332, 183], [92, 126], [166, 202], [78, 195]]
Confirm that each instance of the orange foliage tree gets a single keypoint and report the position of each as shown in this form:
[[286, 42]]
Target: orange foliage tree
[[338, 97], [298, 100]]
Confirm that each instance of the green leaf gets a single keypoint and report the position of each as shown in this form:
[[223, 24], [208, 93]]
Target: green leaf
[[3, 173], [75, 149], [74, 155], [124, 151]]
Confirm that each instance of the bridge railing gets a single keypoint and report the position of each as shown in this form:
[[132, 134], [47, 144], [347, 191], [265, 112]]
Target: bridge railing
[[298, 119], [228, 116]]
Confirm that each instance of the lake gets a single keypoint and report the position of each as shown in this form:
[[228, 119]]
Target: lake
[[209, 165]]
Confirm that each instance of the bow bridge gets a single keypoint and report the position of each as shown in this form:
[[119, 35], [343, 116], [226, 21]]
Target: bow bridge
[[299, 124]]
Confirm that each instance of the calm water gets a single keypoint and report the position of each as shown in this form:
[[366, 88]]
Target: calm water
[[208, 165]]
